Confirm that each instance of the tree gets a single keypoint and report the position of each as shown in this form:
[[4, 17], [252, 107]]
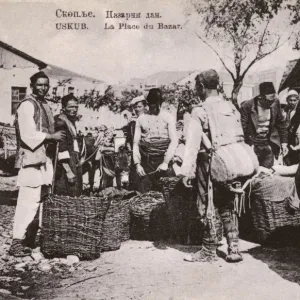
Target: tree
[[243, 28], [95, 101], [294, 8], [183, 97]]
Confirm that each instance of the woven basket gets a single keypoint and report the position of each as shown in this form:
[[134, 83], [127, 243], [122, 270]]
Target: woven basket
[[116, 226], [125, 221], [73, 226], [111, 227], [267, 215], [142, 209], [183, 214], [177, 203]]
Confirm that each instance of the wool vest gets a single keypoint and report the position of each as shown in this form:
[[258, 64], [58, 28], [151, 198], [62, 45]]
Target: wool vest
[[44, 121]]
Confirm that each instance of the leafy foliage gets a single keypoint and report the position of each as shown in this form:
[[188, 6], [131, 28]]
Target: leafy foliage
[[294, 9], [95, 101], [243, 28]]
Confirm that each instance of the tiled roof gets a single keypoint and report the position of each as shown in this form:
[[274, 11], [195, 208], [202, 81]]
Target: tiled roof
[[54, 71], [167, 77], [291, 75], [38, 62]]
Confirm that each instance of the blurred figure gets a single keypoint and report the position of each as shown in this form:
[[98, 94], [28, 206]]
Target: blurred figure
[[139, 107], [292, 111]]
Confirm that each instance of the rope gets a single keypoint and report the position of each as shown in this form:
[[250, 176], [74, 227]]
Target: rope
[[97, 148], [240, 198]]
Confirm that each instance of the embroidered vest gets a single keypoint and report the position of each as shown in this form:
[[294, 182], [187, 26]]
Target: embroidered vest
[[43, 118]]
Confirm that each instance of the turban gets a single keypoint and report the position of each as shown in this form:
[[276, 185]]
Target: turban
[[137, 99]]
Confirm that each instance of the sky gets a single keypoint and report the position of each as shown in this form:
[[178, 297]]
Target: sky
[[113, 55]]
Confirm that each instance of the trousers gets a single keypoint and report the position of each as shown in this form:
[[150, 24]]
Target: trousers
[[28, 205], [223, 201]]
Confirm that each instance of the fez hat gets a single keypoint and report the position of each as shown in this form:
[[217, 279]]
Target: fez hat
[[209, 78], [38, 75], [266, 88], [67, 98], [154, 96]]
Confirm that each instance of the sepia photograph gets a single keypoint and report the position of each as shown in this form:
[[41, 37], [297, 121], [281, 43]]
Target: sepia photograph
[[149, 150]]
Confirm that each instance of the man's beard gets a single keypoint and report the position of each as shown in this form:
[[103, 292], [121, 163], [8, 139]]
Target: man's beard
[[265, 103]]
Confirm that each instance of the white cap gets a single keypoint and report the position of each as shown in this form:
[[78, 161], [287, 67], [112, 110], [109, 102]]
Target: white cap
[[292, 93], [137, 99]]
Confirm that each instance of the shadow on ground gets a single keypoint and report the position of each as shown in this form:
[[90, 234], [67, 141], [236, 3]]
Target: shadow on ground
[[8, 198], [284, 261]]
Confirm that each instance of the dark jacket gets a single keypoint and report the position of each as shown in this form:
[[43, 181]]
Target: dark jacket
[[278, 131], [293, 124], [62, 186]]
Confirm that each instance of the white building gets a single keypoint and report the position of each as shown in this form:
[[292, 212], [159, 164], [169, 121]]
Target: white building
[[16, 67], [183, 77]]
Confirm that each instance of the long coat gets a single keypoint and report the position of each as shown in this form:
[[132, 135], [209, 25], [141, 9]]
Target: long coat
[[278, 130], [294, 123], [62, 186]]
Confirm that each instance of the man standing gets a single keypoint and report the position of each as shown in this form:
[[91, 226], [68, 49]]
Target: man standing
[[68, 176], [292, 111], [264, 125], [34, 130], [155, 142], [139, 107], [196, 167]]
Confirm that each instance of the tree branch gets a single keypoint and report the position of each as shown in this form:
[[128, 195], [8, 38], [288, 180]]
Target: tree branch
[[259, 57], [221, 59]]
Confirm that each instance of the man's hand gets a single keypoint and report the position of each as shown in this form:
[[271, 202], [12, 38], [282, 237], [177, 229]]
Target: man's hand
[[58, 136], [71, 177], [162, 167], [285, 149], [187, 182], [295, 148], [140, 170]]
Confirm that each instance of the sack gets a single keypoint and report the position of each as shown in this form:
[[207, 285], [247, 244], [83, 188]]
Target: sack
[[233, 161], [231, 157]]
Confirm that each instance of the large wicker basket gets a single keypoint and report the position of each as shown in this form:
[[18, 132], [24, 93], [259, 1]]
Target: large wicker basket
[[146, 219], [185, 226], [177, 204], [115, 226], [270, 211], [73, 226]]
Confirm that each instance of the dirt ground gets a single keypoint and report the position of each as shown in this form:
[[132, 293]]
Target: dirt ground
[[154, 270]]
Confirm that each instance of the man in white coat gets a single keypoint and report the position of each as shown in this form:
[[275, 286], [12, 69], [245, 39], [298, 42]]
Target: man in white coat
[[35, 131]]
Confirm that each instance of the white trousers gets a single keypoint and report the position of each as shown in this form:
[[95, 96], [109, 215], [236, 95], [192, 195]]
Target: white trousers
[[27, 207]]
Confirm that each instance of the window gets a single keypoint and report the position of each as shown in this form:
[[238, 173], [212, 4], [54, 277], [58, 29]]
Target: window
[[17, 95], [70, 90]]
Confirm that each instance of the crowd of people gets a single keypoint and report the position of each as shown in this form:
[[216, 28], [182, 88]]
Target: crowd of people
[[48, 153]]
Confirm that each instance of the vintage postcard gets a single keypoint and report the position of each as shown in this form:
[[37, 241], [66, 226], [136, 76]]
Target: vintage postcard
[[149, 149]]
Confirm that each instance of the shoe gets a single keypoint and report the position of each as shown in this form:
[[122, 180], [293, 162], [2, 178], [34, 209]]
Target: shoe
[[204, 255], [234, 254], [17, 249]]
